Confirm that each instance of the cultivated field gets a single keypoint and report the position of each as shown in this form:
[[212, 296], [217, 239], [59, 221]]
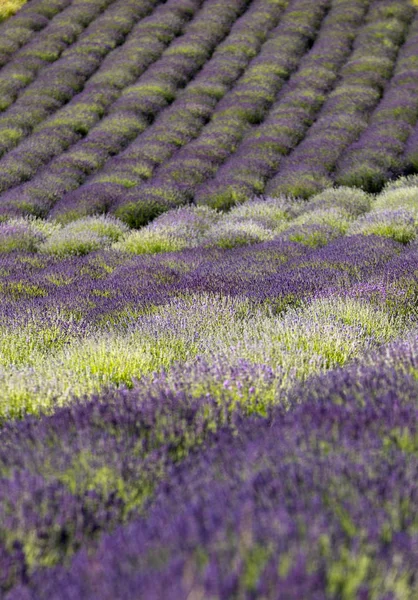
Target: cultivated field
[[209, 300]]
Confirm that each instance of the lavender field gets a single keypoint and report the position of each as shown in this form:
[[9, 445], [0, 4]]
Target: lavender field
[[209, 300]]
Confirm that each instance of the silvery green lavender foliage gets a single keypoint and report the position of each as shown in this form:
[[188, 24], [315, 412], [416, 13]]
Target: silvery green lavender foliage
[[208, 300]]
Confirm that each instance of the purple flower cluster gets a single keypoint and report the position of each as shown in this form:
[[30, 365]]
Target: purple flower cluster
[[106, 286], [316, 502]]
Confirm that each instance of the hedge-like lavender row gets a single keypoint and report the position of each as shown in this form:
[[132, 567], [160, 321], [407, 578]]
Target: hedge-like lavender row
[[31, 19], [345, 113], [146, 43], [58, 83], [325, 217], [174, 182], [267, 504], [45, 49], [182, 60], [152, 162], [377, 155], [229, 156], [154, 90], [187, 115], [110, 286], [259, 155]]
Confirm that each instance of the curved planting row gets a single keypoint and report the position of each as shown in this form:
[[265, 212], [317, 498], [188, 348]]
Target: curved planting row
[[23, 67], [325, 217], [377, 154], [203, 103], [188, 114]]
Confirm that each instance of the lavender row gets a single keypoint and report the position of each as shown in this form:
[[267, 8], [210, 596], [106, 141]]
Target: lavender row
[[325, 217], [138, 103], [377, 155], [266, 504], [105, 285], [174, 182], [185, 118], [158, 87], [146, 42], [102, 462], [258, 156], [67, 76], [346, 112], [115, 295], [20, 29], [249, 354], [45, 49]]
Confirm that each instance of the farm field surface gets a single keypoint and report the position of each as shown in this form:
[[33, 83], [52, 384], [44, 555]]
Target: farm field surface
[[209, 300]]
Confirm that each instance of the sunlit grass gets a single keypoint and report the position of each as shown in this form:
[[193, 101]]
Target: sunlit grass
[[9, 8]]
